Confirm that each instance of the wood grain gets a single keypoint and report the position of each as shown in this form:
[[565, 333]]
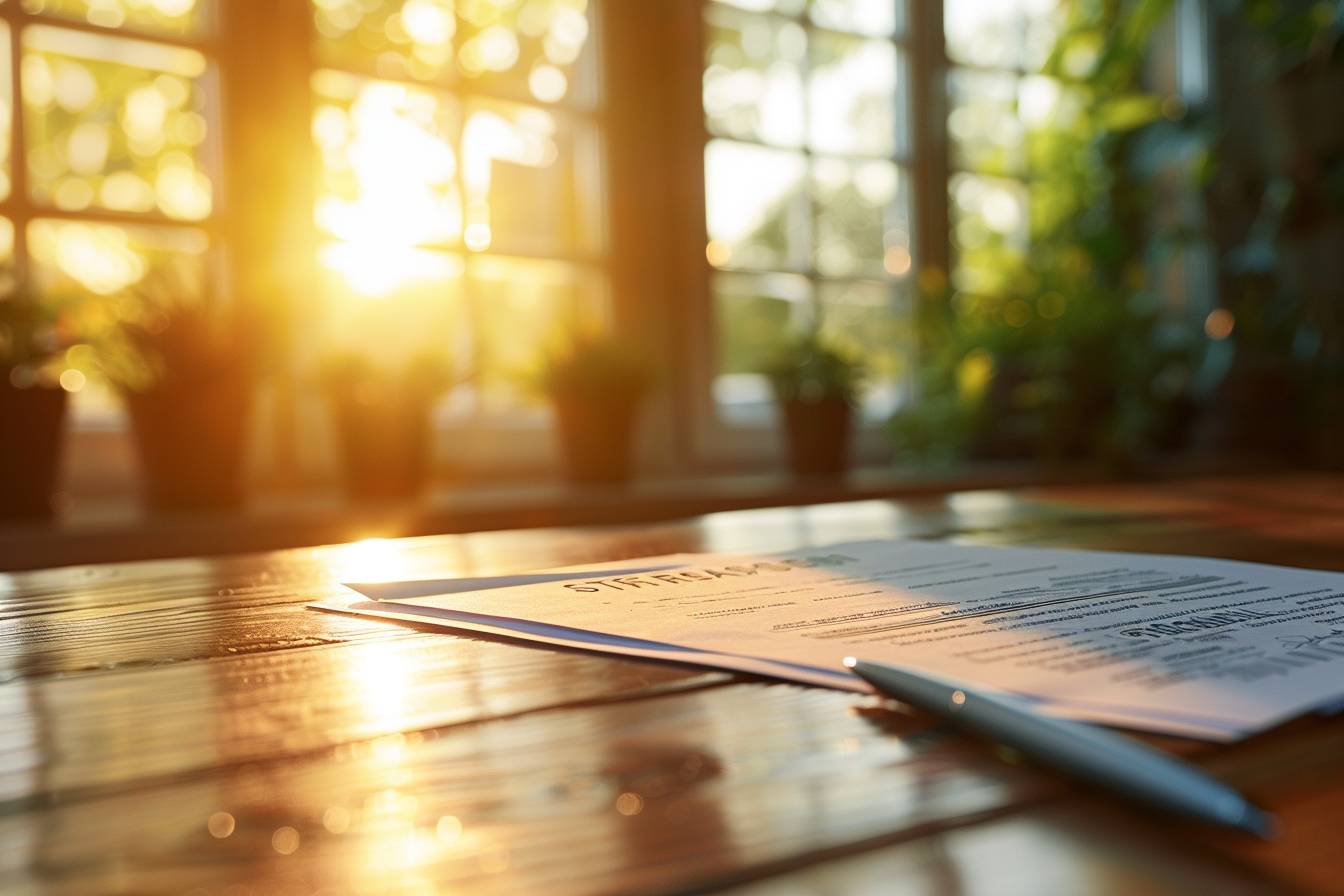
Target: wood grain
[[190, 726]]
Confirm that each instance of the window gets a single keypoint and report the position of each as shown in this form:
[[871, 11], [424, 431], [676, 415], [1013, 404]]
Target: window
[[808, 189], [113, 159], [1004, 123], [995, 101], [460, 200], [458, 196]]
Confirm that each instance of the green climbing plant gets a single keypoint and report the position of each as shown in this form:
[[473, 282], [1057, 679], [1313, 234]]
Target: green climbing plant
[[1067, 347]]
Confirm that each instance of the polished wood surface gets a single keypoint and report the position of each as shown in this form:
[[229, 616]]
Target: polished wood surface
[[191, 727]]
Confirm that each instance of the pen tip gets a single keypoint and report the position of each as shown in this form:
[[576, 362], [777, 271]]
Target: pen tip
[[850, 662]]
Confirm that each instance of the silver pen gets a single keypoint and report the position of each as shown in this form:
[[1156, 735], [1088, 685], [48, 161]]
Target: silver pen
[[1084, 751]]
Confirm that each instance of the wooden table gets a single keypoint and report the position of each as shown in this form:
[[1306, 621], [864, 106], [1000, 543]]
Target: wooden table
[[189, 726]]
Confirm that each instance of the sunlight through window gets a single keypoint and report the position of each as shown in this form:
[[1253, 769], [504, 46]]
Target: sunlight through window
[[455, 145]]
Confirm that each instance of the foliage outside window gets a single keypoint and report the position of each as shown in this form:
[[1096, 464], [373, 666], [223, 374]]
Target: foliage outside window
[[1052, 337]]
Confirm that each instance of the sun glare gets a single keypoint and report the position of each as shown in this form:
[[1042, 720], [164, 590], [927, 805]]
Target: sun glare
[[406, 172]]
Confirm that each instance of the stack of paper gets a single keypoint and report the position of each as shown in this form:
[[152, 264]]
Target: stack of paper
[[1205, 648]]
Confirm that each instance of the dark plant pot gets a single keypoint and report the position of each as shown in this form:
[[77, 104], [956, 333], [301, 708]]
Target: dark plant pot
[[597, 437], [192, 441], [30, 448], [817, 435], [384, 442]]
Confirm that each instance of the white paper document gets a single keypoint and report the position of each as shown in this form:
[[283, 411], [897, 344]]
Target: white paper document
[[1205, 648]]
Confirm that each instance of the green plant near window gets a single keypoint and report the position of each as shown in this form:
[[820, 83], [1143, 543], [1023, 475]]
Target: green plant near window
[[596, 384], [30, 336], [593, 366], [186, 369], [809, 367], [382, 417], [33, 332], [816, 382], [1069, 349]]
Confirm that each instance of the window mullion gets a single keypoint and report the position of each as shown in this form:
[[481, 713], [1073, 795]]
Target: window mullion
[[208, 44], [929, 161], [19, 204]]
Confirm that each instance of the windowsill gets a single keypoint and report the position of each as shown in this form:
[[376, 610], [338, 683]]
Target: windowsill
[[117, 530]]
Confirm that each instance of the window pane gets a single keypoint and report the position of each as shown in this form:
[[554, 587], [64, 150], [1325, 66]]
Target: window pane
[[753, 85], [389, 165], [530, 49], [867, 318], [176, 17], [989, 228], [1043, 19], [873, 17], [106, 259], [1002, 34], [753, 314], [983, 123], [755, 206], [852, 98], [395, 38], [114, 124], [862, 219], [532, 181], [519, 307], [787, 7], [982, 33]]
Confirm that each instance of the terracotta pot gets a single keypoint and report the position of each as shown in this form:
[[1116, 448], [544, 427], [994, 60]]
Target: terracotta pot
[[192, 439], [817, 435], [31, 429], [597, 437], [384, 442]]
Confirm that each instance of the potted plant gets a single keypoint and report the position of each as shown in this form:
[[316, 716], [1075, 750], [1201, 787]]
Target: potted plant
[[186, 371], [32, 406], [382, 417], [595, 385], [816, 385]]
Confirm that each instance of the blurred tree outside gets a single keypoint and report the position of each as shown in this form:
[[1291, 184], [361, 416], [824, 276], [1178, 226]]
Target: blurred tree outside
[[1062, 349], [1072, 346], [1063, 345]]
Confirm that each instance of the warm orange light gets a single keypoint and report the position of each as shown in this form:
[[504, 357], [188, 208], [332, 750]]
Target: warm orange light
[[1219, 324], [547, 83], [285, 840], [428, 22], [220, 825], [72, 380], [897, 261], [403, 173], [448, 829], [406, 188], [718, 253]]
